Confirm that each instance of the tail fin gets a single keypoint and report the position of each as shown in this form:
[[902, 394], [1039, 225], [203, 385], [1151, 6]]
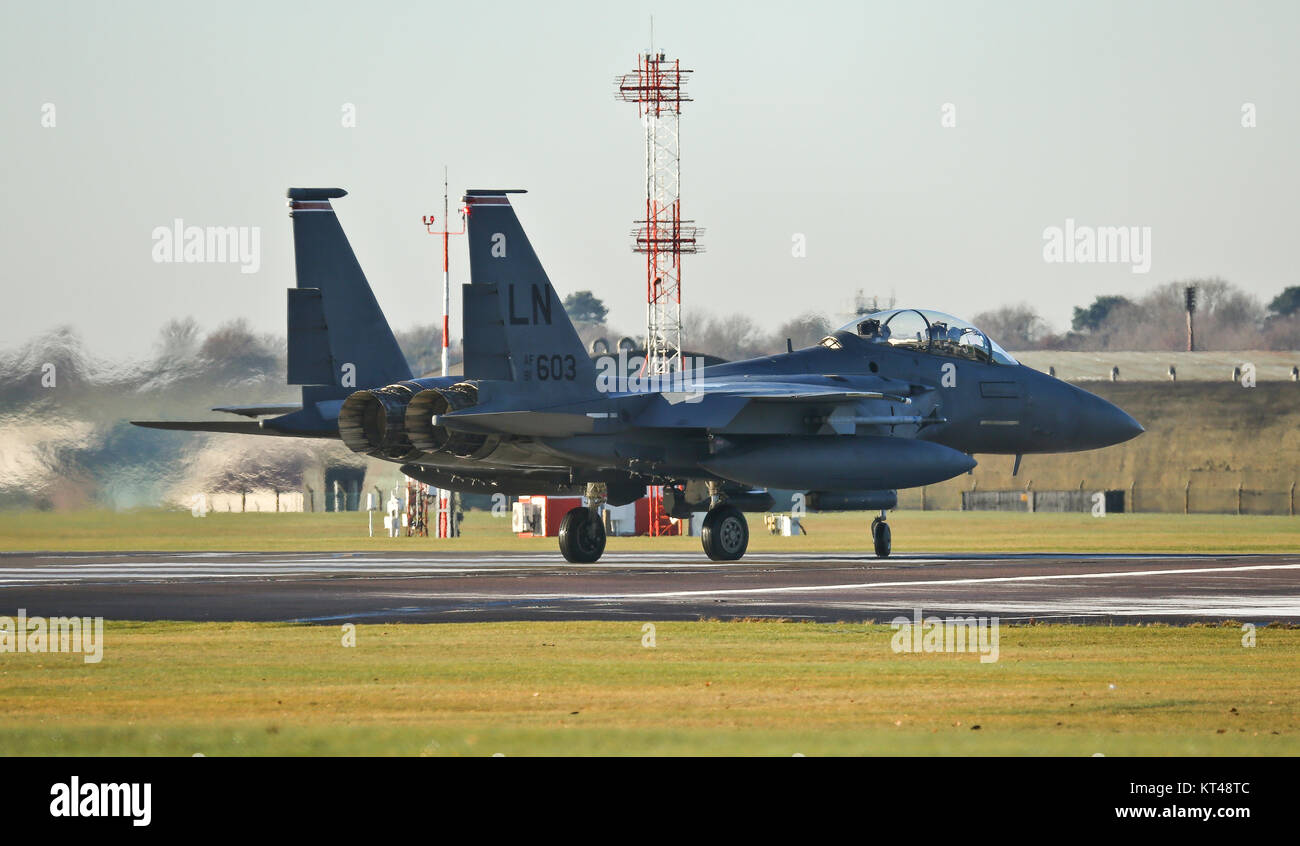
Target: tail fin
[[339, 340], [515, 326]]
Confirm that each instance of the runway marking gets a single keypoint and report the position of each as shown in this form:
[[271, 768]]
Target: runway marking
[[1220, 607], [916, 583], [175, 567], [546, 558], [303, 566], [1267, 607]]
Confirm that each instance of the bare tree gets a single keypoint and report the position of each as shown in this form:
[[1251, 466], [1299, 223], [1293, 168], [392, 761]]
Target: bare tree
[[733, 337], [1227, 318], [803, 331], [1015, 327], [422, 348]]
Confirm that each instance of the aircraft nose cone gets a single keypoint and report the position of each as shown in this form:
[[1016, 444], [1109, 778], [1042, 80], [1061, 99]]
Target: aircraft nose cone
[[1106, 424], [1067, 418], [1132, 428]]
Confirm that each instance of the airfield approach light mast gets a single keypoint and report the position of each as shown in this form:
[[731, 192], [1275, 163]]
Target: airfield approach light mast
[[657, 86], [446, 263], [1190, 294]]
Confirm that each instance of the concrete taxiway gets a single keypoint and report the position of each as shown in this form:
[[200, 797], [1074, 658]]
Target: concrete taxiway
[[463, 587]]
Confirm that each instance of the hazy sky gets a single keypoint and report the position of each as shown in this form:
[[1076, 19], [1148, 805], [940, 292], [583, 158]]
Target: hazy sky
[[813, 117]]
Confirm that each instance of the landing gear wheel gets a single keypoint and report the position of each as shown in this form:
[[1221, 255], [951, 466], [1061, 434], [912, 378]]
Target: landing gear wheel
[[725, 534], [880, 537], [582, 536]]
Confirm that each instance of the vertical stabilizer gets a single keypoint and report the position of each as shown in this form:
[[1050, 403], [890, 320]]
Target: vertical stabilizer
[[339, 340], [515, 326]]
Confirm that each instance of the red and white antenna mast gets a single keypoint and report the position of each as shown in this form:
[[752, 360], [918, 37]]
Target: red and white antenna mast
[[657, 86], [446, 263]]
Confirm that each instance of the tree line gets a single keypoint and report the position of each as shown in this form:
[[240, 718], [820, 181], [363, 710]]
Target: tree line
[[1227, 318]]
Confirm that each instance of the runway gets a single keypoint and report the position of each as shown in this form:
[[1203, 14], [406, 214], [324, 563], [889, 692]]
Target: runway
[[463, 587]]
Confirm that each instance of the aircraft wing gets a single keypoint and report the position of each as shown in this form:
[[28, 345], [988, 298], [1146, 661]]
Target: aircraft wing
[[715, 403], [712, 404], [784, 392]]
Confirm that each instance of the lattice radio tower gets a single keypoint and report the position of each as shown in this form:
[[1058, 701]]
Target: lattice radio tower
[[657, 86]]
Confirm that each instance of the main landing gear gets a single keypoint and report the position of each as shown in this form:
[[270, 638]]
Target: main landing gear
[[880, 535], [725, 534], [582, 535]]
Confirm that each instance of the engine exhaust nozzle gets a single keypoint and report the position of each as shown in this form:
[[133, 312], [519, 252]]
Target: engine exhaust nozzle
[[426, 434], [373, 422]]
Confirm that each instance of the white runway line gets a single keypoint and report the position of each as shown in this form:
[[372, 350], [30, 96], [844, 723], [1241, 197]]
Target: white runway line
[[1032, 592], [1047, 608], [951, 582], [917, 583], [1270, 607], [291, 565], [200, 566], [298, 566]]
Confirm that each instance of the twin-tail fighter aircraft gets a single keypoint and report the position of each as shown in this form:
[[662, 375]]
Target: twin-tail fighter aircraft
[[896, 399]]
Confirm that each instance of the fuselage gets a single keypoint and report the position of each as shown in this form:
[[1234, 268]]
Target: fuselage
[[966, 405], [988, 407]]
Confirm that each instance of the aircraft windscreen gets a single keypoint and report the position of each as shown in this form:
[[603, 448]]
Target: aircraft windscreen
[[928, 331]]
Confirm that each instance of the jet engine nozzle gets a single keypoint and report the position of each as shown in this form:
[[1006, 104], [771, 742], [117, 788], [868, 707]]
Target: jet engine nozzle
[[373, 422], [425, 407], [428, 435]]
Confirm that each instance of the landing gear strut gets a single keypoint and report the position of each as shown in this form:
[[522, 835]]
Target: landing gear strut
[[582, 535], [880, 536], [725, 534]]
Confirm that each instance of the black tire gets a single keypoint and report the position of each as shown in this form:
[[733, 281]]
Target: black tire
[[582, 536], [726, 534], [880, 538]]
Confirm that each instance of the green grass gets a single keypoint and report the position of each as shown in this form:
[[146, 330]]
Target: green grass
[[577, 688], [913, 531], [707, 688]]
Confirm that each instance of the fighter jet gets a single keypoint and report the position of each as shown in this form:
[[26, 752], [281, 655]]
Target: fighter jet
[[895, 399]]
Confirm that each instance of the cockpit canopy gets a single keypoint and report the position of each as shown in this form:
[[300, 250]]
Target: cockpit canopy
[[928, 331]]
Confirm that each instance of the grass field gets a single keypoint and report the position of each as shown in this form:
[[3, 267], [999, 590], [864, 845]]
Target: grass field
[[913, 531], [705, 688]]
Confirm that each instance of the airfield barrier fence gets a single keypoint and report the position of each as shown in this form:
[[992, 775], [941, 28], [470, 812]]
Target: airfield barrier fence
[[1187, 499]]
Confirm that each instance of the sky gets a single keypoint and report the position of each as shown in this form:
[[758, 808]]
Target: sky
[[824, 120]]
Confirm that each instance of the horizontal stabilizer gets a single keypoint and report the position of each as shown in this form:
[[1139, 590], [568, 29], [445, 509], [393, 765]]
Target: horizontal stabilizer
[[244, 427], [260, 410], [230, 427]]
